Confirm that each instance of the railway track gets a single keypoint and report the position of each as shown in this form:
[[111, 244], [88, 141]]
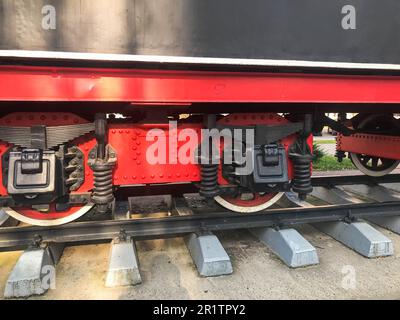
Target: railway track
[[340, 206], [209, 220]]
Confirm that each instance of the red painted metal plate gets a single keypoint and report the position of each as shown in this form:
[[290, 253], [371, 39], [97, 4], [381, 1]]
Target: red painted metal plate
[[131, 145], [20, 83], [370, 144]]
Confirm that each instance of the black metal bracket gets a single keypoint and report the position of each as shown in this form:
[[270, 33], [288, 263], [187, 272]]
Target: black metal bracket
[[335, 125]]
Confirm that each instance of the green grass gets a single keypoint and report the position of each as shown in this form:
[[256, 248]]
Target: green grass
[[329, 163], [325, 141]]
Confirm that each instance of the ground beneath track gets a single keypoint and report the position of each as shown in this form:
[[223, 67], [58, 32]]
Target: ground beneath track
[[169, 273]]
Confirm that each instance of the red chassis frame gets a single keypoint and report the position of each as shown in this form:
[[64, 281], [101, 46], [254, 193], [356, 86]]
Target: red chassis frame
[[27, 83]]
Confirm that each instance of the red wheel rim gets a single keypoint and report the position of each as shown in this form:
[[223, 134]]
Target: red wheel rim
[[258, 200], [50, 215], [50, 218]]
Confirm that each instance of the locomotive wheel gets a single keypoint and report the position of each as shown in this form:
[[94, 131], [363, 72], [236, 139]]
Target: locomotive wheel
[[50, 218], [373, 166], [370, 165], [253, 202], [248, 202]]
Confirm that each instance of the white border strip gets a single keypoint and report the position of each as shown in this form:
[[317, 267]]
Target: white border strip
[[192, 60], [51, 222]]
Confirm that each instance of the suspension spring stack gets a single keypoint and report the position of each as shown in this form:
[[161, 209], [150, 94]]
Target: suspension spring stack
[[301, 156], [102, 194], [102, 161], [302, 174], [209, 180], [209, 163]]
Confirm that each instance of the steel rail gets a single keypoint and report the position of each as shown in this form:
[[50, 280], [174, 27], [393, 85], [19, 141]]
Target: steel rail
[[335, 180], [144, 228], [124, 192]]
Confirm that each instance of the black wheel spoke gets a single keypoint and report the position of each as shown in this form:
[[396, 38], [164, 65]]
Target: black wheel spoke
[[365, 159], [375, 162]]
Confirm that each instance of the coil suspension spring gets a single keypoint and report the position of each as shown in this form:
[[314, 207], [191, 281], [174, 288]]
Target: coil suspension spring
[[209, 163], [209, 180], [301, 156], [102, 161], [302, 174], [102, 183]]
